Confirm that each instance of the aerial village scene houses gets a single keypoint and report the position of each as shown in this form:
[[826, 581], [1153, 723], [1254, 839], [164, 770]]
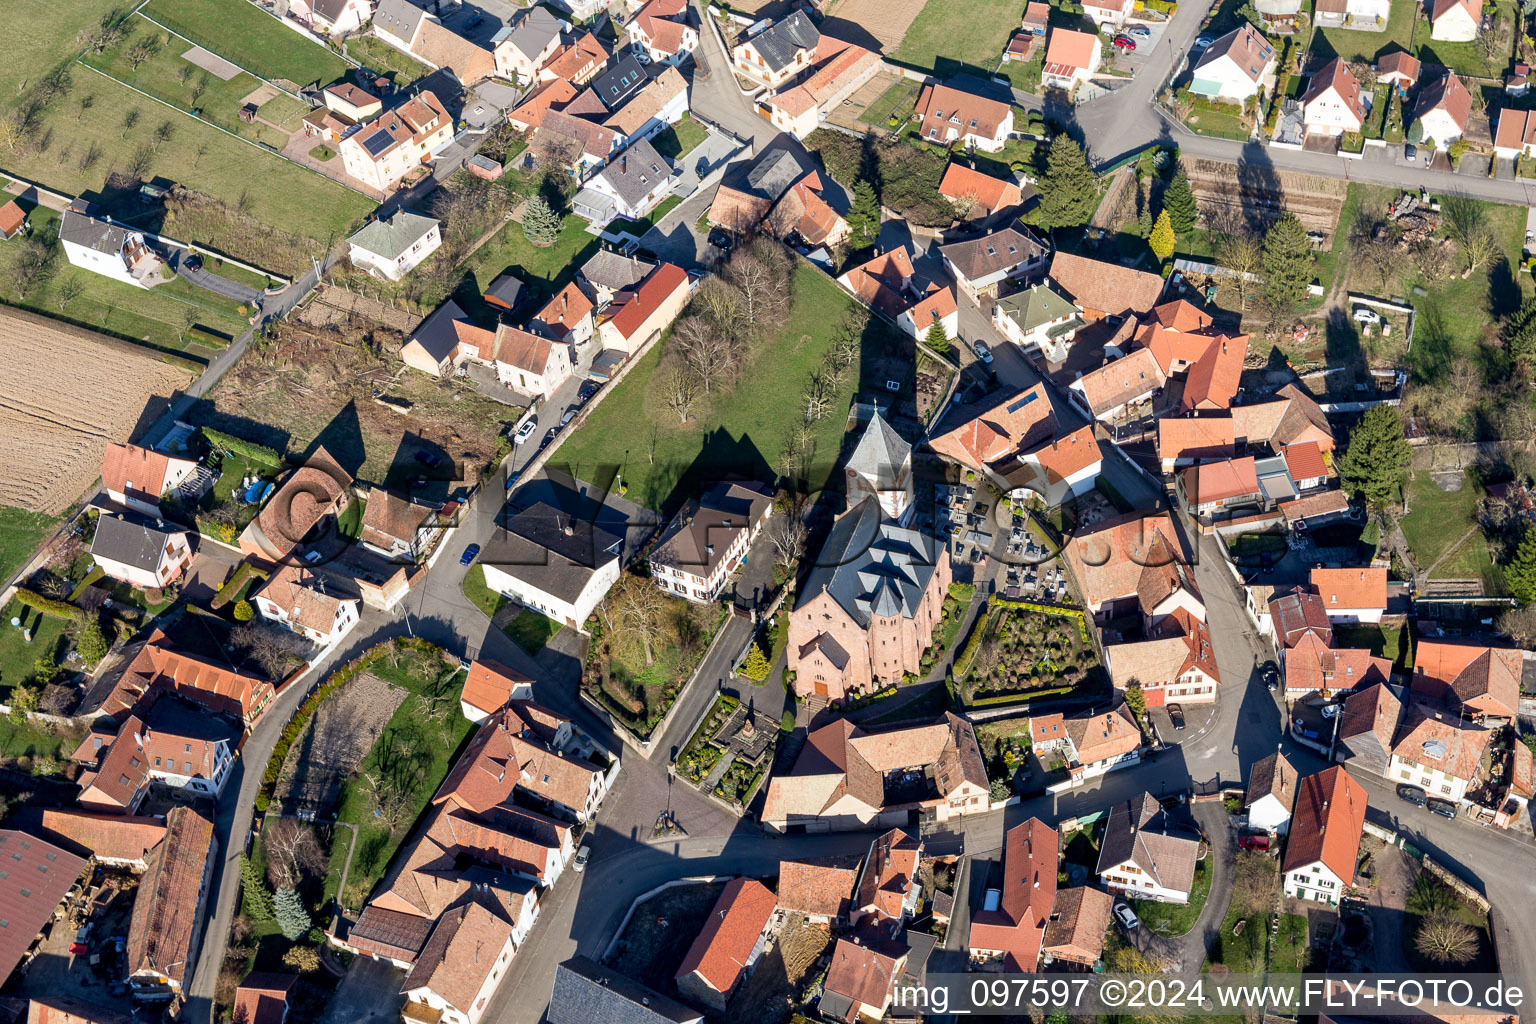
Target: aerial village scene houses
[[642, 512]]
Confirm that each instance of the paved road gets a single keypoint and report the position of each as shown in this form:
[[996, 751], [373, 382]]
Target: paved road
[[243, 293]]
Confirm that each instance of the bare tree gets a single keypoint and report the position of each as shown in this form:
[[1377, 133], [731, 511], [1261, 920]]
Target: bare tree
[[680, 389], [33, 267], [15, 129], [1243, 255], [1433, 258], [266, 646], [636, 607], [293, 852], [143, 48], [723, 305], [1446, 940], [1520, 624], [1253, 883], [68, 291], [787, 533], [1479, 248], [709, 352], [764, 303]]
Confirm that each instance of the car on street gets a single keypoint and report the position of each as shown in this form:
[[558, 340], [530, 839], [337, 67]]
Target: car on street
[[1176, 712], [1125, 43], [1203, 41], [1412, 794], [1126, 917], [427, 458], [1253, 842], [192, 262], [1444, 808], [1271, 676], [721, 240], [982, 352], [1139, 31], [582, 856], [549, 437], [525, 431], [1367, 316], [570, 414], [587, 391], [469, 554]]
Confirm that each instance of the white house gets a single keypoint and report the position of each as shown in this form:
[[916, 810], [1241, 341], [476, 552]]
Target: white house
[[1516, 134], [1352, 595], [522, 47], [632, 185], [397, 528], [1455, 21], [980, 266], [307, 604], [1271, 794], [1235, 67], [1109, 15], [140, 552], [1324, 841], [1038, 319], [398, 141], [1067, 465], [1365, 15], [937, 307], [1145, 855], [1439, 754], [528, 363], [554, 563], [778, 52], [488, 686], [708, 540], [466, 955], [1442, 110], [1174, 662], [661, 31], [1332, 104], [399, 23], [136, 478], [1090, 745], [661, 102], [395, 246], [948, 115], [107, 248], [1070, 57], [331, 17]]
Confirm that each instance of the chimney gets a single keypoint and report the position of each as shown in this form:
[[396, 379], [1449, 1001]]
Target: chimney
[[624, 163]]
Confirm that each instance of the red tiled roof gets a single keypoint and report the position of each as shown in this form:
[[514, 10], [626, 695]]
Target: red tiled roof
[[992, 431], [566, 309], [992, 194], [157, 667], [889, 876], [513, 750], [1328, 823], [1351, 588], [161, 931], [301, 596], [653, 292], [1070, 454], [263, 996], [1218, 481], [1071, 49], [38, 877], [1296, 613], [943, 107], [1194, 437], [488, 685], [1304, 460], [135, 471], [552, 95], [114, 837], [1028, 894], [1106, 287], [720, 951], [1335, 75], [1312, 666], [1448, 94], [817, 889], [1485, 679], [12, 217], [1213, 379]]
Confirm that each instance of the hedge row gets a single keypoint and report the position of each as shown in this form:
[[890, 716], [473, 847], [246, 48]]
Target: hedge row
[[311, 704], [242, 574], [1019, 698], [1046, 609], [866, 700], [91, 577], [248, 450], [48, 606]]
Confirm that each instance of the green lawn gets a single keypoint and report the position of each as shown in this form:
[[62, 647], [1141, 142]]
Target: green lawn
[[20, 534], [1288, 949], [1244, 953], [28, 739], [951, 34], [1222, 120], [528, 629], [379, 56], [433, 743], [1025, 75], [1393, 643], [543, 271], [639, 228], [1172, 918], [1467, 59], [350, 523], [678, 140], [239, 32], [1365, 46], [1437, 518], [899, 100], [746, 429], [17, 656], [156, 315]]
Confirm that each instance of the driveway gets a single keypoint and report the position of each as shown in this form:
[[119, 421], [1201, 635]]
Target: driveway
[[207, 281], [370, 991]]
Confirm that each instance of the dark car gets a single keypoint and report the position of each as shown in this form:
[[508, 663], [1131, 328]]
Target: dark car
[[1271, 675], [720, 240], [1412, 794], [549, 438], [474, 22], [429, 459], [1176, 713], [192, 262], [1444, 808], [469, 554], [587, 391]]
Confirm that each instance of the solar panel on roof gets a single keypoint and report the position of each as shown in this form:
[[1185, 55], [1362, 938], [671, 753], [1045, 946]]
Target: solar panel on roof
[[378, 142], [1021, 403]]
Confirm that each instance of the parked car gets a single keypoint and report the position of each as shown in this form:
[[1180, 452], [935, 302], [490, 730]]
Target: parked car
[[474, 22], [1367, 316], [582, 856], [720, 240], [1253, 842], [587, 391], [1139, 31], [1203, 41], [1271, 675], [982, 352], [427, 458], [1412, 794], [1125, 43], [192, 262], [1444, 808], [469, 554], [570, 414], [1126, 917], [525, 431], [1176, 712]]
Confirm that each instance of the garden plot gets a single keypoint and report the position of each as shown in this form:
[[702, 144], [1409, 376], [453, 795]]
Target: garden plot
[[339, 737], [729, 753], [59, 415], [1246, 197], [1026, 651]]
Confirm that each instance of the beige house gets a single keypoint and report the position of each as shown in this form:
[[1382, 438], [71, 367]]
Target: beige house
[[140, 552], [779, 52], [136, 477], [392, 145], [529, 364], [634, 318]]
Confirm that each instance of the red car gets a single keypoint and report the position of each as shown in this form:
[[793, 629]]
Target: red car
[[79, 948], [1254, 842], [1125, 43]]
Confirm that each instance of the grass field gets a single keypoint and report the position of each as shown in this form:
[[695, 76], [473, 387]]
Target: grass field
[[744, 429], [379, 56], [156, 315], [1437, 518], [1365, 46], [1175, 918], [17, 655], [1467, 58], [239, 32], [20, 534], [1395, 643], [543, 271], [27, 739], [898, 100], [528, 629], [953, 34], [678, 140]]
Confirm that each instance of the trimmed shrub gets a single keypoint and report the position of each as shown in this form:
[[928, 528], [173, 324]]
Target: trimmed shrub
[[248, 450], [244, 612], [49, 606]]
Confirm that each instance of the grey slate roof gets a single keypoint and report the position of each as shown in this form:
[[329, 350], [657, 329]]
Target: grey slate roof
[[585, 993], [635, 170], [179, 717], [398, 17], [92, 233], [552, 550], [615, 271], [131, 540], [1139, 832], [880, 451], [506, 289], [531, 32], [872, 567], [773, 175], [621, 81], [391, 238], [437, 334], [779, 42], [1004, 249]]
